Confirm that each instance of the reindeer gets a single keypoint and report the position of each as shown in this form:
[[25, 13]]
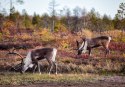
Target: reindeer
[[34, 56], [89, 44]]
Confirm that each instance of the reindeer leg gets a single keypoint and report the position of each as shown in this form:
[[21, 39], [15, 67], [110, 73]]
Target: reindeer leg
[[55, 64], [107, 52], [38, 67], [50, 65], [90, 52], [34, 68]]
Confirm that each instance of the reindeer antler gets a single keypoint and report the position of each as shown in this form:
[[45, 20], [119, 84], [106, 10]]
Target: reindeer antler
[[15, 53], [77, 44]]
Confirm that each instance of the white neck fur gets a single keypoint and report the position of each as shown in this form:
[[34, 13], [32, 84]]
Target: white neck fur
[[28, 60]]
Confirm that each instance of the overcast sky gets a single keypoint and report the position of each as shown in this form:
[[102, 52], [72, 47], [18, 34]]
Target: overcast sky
[[108, 7]]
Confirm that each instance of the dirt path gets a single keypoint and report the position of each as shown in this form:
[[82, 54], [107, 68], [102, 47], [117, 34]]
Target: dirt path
[[114, 81]]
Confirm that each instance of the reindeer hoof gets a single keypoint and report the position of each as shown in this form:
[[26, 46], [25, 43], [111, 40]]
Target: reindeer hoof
[[39, 73], [49, 73]]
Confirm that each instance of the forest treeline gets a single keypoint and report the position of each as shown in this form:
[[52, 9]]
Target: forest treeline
[[72, 20]]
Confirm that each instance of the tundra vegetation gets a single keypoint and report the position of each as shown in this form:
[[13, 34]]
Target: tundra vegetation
[[25, 32]]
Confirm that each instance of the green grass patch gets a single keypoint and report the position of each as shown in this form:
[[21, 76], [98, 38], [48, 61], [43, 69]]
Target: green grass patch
[[29, 78]]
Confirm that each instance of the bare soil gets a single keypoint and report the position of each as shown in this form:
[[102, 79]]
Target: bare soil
[[113, 81]]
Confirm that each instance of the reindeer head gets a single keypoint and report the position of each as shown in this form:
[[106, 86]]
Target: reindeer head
[[82, 49], [26, 63]]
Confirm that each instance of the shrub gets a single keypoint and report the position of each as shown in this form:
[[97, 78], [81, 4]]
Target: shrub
[[45, 35], [85, 33], [26, 36], [8, 26], [117, 35], [64, 43], [1, 36], [60, 28]]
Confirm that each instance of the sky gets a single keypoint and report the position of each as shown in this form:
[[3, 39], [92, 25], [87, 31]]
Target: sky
[[40, 7]]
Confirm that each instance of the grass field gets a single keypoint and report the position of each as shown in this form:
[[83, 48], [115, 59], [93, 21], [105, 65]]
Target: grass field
[[29, 78]]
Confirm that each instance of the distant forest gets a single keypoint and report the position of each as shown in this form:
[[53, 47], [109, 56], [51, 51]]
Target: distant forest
[[71, 20]]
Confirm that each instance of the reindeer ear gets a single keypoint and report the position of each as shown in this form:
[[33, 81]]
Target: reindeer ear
[[77, 44]]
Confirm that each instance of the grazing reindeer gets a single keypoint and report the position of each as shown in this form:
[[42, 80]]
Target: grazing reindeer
[[89, 44], [34, 56]]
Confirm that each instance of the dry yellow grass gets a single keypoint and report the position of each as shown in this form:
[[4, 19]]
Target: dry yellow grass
[[18, 79]]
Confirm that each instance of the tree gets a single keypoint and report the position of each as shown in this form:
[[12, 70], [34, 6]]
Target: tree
[[77, 14], [36, 20], [12, 2], [92, 20], [1, 22], [121, 15], [68, 17], [116, 22], [52, 6], [12, 8], [65, 19], [108, 25], [121, 11], [26, 20], [84, 18], [45, 21]]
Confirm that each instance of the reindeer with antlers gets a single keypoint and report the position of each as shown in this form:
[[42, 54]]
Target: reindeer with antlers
[[89, 44], [34, 56]]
